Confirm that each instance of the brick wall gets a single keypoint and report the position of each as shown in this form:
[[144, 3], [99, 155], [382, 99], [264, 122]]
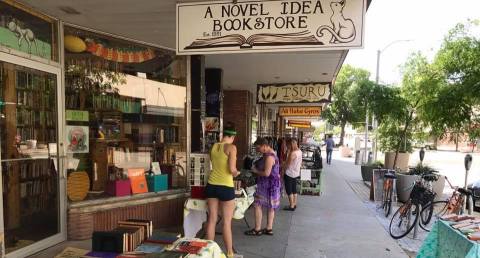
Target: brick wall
[[237, 109], [164, 214]]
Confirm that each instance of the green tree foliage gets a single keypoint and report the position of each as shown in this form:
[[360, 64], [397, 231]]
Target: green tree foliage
[[455, 106], [343, 110]]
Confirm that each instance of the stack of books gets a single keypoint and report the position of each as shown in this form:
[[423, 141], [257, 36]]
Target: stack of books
[[134, 238], [466, 224], [125, 238]]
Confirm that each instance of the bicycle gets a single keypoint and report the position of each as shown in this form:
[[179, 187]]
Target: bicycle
[[406, 217], [388, 191], [453, 205]]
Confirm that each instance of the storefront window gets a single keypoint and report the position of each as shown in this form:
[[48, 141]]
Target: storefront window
[[26, 32], [28, 126], [125, 106]]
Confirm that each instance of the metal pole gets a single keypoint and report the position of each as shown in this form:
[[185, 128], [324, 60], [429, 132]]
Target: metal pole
[[365, 155], [374, 121]]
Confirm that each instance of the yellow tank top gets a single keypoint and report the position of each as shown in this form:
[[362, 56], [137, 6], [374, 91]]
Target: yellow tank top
[[220, 174]]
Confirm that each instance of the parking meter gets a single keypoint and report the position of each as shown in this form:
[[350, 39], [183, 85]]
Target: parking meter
[[422, 155], [468, 165]]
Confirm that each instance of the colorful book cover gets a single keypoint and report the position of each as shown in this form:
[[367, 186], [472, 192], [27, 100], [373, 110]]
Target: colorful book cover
[[163, 237], [138, 180], [150, 248], [166, 254]]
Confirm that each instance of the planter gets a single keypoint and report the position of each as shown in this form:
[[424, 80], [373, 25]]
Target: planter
[[346, 152], [404, 186], [402, 160], [367, 172], [438, 187]]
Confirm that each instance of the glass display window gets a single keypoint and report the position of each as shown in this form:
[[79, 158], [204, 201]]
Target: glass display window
[[125, 107]]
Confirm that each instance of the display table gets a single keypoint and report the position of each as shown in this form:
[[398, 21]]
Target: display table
[[195, 211], [444, 241], [212, 250]]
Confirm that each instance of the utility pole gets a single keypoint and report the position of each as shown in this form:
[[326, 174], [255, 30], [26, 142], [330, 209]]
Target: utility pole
[[377, 80]]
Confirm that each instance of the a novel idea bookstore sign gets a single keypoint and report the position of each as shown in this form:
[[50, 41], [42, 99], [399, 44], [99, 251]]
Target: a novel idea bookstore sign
[[266, 26]]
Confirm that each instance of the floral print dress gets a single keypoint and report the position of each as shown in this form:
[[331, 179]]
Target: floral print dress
[[268, 188]]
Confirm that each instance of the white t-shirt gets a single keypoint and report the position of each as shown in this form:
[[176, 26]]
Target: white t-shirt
[[293, 170]]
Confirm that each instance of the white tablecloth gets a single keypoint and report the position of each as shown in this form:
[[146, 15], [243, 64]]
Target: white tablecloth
[[195, 211]]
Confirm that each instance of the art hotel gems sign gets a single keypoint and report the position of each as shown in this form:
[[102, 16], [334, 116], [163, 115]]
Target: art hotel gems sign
[[267, 26]]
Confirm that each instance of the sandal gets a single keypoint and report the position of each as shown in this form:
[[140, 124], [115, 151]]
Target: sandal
[[288, 208], [253, 232], [268, 232]]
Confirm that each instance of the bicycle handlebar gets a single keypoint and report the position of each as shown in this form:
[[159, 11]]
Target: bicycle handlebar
[[450, 184]]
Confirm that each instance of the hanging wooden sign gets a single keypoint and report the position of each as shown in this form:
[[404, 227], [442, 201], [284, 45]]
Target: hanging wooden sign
[[299, 124], [316, 92], [215, 27]]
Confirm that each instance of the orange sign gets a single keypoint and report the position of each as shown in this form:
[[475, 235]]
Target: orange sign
[[300, 111], [299, 124]]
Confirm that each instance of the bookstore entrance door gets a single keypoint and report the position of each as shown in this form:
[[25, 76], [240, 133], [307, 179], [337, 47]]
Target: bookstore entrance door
[[33, 206]]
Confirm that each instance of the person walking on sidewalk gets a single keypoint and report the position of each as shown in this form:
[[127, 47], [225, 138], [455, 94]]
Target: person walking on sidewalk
[[220, 189], [330, 144], [268, 188], [291, 172]]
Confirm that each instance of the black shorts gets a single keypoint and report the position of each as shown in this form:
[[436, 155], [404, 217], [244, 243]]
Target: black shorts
[[290, 185], [223, 193]]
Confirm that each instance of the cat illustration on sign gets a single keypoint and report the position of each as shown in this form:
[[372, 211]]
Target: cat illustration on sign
[[23, 34], [343, 29]]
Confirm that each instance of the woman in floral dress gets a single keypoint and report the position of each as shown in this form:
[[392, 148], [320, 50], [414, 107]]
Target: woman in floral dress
[[268, 188]]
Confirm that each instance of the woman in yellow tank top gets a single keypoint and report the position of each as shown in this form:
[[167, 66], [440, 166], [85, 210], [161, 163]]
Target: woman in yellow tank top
[[220, 190]]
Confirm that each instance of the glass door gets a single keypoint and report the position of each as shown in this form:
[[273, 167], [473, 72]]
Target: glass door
[[32, 180]]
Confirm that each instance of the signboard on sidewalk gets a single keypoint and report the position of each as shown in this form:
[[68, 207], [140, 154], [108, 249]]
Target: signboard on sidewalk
[[315, 92], [300, 111], [216, 27]]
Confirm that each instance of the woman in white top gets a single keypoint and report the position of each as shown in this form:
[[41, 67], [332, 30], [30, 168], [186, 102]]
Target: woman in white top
[[291, 172]]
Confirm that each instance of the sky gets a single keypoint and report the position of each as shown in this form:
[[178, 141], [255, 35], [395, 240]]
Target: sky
[[424, 22]]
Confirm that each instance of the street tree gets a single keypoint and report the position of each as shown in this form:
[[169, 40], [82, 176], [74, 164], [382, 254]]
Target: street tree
[[343, 110], [455, 107]]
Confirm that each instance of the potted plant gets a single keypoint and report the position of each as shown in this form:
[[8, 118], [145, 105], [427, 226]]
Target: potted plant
[[438, 185], [367, 170], [396, 155]]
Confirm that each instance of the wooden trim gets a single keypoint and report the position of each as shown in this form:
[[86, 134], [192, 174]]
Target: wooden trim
[[30, 11], [122, 202]]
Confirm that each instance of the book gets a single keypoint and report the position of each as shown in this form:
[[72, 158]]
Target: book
[[163, 237], [100, 254], [109, 241], [150, 248], [474, 236], [261, 39], [166, 254], [191, 247], [134, 235], [149, 222], [138, 180]]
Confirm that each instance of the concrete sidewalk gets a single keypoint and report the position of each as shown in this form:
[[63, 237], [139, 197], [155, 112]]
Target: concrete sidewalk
[[336, 224]]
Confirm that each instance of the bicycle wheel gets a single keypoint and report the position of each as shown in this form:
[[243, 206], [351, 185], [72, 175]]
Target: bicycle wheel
[[387, 206], [404, 219], [431, 213]]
